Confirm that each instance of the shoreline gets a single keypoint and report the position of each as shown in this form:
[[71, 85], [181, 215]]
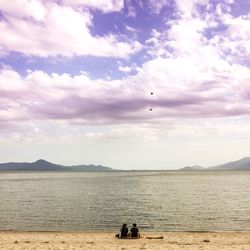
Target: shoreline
[[239, 240], [117, 231]]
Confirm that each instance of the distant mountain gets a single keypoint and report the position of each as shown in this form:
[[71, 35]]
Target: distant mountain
[[242, 164], [91, 168], [194, 167], [42, 165]]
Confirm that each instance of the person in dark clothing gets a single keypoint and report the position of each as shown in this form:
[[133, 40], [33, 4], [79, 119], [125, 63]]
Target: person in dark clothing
[[134, 232], [124, 231]]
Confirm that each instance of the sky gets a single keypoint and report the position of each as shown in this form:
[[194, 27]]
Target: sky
[[76, 78]]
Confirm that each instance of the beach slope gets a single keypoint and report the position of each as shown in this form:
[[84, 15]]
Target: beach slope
[[85, 240]]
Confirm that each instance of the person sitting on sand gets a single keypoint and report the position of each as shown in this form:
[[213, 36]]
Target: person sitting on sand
[[134, 232], [124, 231]]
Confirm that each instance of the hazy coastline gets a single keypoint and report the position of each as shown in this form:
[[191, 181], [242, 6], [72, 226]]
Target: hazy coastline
[[43, 165]]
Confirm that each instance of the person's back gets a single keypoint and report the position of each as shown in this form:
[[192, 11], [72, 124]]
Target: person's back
[[134, 232], [124, 231]]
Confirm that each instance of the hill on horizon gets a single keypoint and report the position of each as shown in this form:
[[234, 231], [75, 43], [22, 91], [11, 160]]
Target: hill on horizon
[[242, 164], [42, 165]]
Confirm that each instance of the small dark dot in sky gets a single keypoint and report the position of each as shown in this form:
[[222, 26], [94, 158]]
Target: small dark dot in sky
[[150, 109], [152, 93]]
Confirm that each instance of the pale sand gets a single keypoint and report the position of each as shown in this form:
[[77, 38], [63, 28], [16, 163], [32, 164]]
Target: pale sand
[[84, 240]]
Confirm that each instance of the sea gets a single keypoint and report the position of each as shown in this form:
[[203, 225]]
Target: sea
[[103, 201]]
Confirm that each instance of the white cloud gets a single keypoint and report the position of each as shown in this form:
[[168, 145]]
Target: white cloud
[[235, 40], [124, 69], [190, 74], [125, 133], [131, 10], [187, 8], [103, 5], [131, 29], [182, 86], [24, 8], [58, 31], [157, 5]]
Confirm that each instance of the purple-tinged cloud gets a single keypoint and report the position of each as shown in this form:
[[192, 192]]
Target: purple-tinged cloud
[[194, 67], [40, 96]]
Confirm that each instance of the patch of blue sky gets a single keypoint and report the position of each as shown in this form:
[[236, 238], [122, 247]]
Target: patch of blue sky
[[240, 8], [95, 67], [22, 64], [118, 23], [237, 7], [212, 31]]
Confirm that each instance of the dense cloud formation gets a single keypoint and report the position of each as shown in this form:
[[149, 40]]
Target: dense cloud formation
[[177, 94], [196, 62]]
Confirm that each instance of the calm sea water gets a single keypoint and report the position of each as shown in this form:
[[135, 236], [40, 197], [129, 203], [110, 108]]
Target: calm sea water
[[156, 201]]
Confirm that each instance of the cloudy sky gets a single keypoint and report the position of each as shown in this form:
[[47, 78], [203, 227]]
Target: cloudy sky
[[76, 78]]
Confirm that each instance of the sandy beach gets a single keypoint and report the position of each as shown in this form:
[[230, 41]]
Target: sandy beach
[[90, 240]]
